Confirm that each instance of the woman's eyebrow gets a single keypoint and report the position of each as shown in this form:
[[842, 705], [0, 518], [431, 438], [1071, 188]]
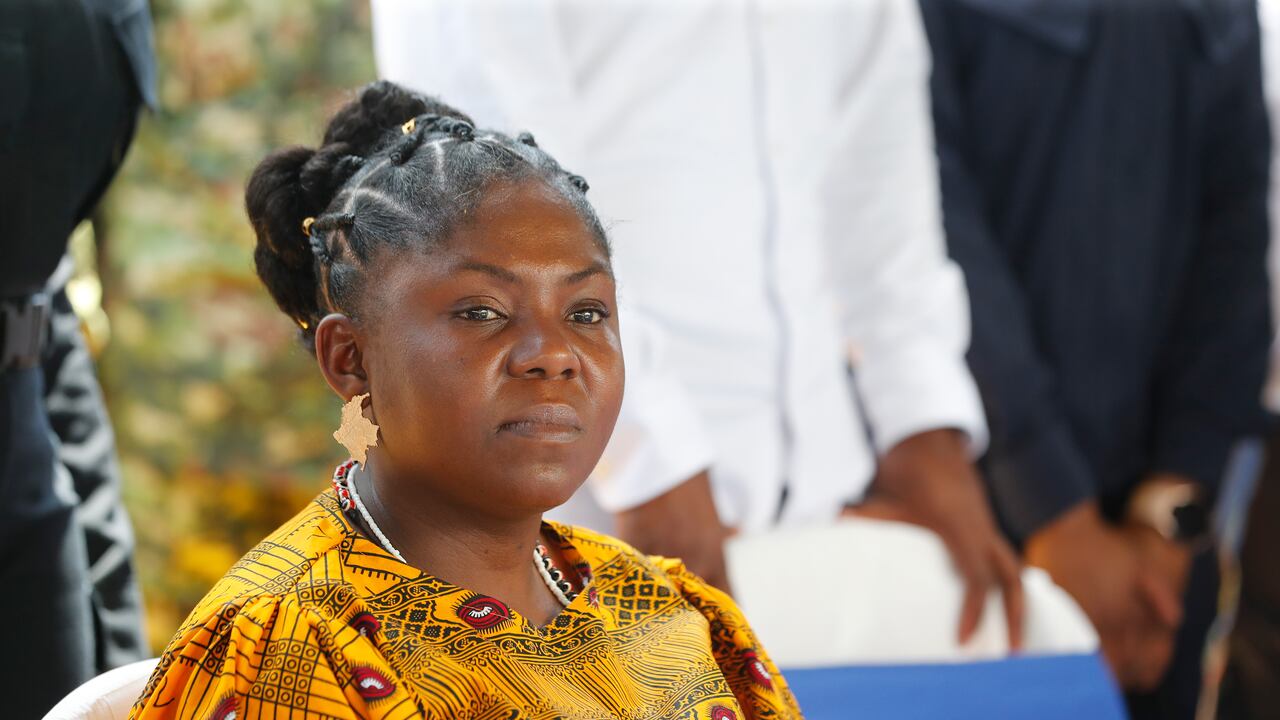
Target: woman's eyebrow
[[500, 273], [594, 269], [507, 276]]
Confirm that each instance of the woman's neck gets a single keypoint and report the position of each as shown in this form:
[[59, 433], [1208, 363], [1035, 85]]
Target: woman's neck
[[488, 555]]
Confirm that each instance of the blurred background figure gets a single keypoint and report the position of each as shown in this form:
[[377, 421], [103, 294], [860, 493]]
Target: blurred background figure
[[767, 173], [1250, 684], [76, 74], [1250, 688], [1104, 172]]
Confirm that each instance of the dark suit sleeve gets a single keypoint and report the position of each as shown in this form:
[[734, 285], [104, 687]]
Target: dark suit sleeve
[[1035, 469], [1213, 362]]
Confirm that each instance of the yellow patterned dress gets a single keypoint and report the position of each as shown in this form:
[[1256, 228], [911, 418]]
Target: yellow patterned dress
[[318, 622]]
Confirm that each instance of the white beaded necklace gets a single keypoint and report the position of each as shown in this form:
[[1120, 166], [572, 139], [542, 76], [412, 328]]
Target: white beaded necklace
[[368, 519], [551, 575]]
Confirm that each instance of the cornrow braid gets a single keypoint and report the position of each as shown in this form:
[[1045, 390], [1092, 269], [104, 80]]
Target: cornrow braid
[[405, 147], [340, 220], [457, 127], [397, 170], [318, 247], [347, 167]]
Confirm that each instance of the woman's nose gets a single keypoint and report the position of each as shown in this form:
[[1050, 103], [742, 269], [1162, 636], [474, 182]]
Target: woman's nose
[[543, 351]]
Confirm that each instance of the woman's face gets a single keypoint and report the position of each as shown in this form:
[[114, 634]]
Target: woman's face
[[493, 360]]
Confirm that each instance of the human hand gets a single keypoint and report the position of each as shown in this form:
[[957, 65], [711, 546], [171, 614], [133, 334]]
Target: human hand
[[1114, 575], [928, 480], [1165, 565], [681, 523]]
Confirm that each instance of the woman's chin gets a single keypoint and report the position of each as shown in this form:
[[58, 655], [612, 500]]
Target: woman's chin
[[518, 486], [546, 490]]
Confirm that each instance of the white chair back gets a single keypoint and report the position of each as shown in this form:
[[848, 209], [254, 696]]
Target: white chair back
[[862, 592], [108, 696]]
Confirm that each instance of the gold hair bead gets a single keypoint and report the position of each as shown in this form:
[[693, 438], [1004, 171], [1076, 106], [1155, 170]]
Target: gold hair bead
[[409, 126], [306, 225]]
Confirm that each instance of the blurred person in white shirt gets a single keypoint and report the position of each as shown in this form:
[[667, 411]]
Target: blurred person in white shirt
[[768, 174]]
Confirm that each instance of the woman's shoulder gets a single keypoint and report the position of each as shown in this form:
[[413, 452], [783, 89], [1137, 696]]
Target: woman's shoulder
[[603, 551], [637, 586], [591, 542], [286, 600], [284, 559], [610, 556]]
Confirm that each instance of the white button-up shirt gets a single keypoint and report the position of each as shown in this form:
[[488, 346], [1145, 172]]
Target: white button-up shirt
[[766, 173]]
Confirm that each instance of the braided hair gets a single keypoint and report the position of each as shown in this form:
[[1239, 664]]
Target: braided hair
[[396, 169]]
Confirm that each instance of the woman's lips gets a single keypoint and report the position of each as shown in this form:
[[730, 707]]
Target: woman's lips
[[549, 423]]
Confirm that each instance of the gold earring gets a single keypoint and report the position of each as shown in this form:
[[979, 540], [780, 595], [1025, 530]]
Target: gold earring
[[357, 433]]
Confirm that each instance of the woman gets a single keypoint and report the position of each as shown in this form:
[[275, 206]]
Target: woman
[[456, 288]]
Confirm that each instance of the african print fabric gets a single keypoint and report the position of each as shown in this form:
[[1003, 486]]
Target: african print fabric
[[319, 622]]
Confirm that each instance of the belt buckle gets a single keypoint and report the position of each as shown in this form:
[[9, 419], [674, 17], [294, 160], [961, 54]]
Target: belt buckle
[[26, 327]]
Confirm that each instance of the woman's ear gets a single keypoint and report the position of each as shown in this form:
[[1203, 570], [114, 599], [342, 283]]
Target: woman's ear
[[339, 356]]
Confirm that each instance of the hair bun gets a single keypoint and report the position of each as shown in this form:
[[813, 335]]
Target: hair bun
[[383, 106], [277, 202]]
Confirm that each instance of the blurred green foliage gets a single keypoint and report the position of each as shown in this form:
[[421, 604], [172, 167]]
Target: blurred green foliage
[[222, 420]]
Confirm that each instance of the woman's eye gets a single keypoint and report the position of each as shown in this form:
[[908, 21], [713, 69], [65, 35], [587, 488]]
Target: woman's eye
[[480, 314], [588, 316]]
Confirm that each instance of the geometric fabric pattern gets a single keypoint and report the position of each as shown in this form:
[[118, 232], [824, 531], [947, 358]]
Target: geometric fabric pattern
[[319, 622]]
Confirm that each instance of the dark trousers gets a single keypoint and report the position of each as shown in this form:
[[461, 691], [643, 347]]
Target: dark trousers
[[66, 579], [1251, 684], [1178, 694], [44, 583]]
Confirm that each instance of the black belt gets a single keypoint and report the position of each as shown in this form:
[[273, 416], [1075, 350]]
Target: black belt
[[24, 321], [24, 330]]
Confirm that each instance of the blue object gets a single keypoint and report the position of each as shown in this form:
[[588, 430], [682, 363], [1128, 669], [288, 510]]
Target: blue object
[[1058, 687]]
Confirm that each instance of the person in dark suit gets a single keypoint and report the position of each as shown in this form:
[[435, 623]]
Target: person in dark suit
[[73, 76], [1105, 173]]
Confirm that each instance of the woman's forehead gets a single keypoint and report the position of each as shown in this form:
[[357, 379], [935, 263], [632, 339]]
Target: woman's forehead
[[522, 223], [539, 254]]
